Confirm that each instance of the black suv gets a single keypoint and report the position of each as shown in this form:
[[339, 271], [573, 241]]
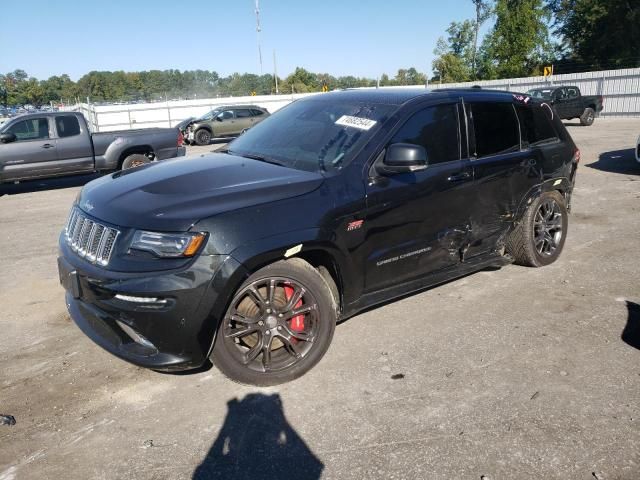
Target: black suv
[[333, 204]]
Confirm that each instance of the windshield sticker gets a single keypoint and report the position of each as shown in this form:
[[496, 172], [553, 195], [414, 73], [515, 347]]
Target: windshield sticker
[[356, 122]]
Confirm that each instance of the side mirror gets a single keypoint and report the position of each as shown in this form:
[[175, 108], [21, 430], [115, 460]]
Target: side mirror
[[403, 158], [7, 137], [219, 118]]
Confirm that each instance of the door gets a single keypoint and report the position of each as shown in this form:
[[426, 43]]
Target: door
[[503, 172], [416, 222], [33, 153], [573, 102], [225, 124], [74, 151], [560, 102], [243, 119]]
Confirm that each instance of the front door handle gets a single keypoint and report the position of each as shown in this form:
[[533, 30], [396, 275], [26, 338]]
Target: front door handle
[[47, 145], [459, 177]]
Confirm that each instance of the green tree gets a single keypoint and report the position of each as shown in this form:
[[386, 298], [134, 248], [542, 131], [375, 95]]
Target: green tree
[[599, 33], [518, 44]]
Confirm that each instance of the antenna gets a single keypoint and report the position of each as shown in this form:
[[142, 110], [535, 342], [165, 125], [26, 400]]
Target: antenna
[[258, 29]]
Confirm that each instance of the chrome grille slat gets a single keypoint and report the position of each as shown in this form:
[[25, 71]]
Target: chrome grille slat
[[90, 239]]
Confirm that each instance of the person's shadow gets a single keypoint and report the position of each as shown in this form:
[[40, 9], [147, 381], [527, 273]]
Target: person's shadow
[[631, 332], [256, 441]]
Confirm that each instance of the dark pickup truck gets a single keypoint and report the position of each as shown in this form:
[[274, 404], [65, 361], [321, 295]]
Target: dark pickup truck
[[569, 103], [43, 145]]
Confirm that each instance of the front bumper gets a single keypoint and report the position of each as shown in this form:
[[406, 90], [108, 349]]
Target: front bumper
[[176, 332]]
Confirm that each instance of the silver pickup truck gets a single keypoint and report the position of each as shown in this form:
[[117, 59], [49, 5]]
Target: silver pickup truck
[[43, 145]]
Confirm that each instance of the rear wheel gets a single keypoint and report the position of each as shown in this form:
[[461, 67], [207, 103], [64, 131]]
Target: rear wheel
[[587, 117], [539, 238], [278, 326], [135, 160], [203, 137]]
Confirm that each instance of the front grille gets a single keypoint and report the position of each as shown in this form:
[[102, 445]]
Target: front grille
[[90, 239]]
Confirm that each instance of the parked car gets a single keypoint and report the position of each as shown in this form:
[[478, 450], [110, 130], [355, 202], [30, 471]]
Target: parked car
[[638, 150], [335, 203], [223, 122], [43, 145], [569, 103]]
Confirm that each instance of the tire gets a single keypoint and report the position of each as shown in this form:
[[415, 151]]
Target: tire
[[539, 238], [587, 117], [294, 344], [135, 160], [203, 137]]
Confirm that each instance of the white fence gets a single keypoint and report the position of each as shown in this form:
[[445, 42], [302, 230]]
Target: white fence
[[621, 89]]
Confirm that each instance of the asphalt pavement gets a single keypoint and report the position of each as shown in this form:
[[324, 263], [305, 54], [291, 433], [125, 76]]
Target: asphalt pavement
[[513, 373]]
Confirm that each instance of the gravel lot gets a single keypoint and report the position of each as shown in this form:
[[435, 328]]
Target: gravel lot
[[512, 373]]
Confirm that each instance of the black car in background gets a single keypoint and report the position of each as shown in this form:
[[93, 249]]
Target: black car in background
[[569, 103], [335, 203]]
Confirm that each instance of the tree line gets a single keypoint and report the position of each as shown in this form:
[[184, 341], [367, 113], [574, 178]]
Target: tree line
[[526, 35], [156, 85]]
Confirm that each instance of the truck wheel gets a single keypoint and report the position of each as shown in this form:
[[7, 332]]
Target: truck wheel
[[135, 160], [539, 238], [203, 137], [279, 324], [587, 117]]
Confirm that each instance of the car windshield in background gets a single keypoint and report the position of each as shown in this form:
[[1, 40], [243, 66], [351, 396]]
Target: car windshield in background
[[543, 94], [209, 115], [312, 135]]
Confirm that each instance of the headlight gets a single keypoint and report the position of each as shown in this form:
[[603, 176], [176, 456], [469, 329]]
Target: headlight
[[168, 244]]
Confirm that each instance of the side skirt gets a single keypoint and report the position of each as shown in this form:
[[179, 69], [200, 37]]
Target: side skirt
[[460, 270]]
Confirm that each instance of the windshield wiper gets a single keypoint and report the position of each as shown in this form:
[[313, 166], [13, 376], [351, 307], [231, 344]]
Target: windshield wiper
[[261, 158]]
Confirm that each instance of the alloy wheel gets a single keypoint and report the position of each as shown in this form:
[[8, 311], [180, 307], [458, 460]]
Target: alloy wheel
[[547, 225]]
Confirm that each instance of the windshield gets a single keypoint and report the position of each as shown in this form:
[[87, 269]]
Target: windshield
[[209, 115], [313, 135], [544, 94]]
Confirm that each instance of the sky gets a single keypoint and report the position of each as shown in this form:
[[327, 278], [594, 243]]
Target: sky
[[340, 37]]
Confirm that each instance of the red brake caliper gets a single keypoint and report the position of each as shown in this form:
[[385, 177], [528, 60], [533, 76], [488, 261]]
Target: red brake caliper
[[297, 322]]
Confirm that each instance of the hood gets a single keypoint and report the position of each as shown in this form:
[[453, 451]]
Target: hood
[[174, 194]]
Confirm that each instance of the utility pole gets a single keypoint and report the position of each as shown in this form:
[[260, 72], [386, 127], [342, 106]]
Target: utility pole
[[275, 70], [258, 29]]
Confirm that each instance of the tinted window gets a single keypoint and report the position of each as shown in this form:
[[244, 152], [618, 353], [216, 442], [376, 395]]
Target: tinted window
[[226, 115], [242, 113], [572, 92], [257, 113], [535, 125], [496, 128], [30, 129], [67, 126], [436, 129]]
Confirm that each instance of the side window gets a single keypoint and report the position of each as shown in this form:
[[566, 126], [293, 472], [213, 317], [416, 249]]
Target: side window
[[256, 113], [535, 125], [30, 129], [67, 126], [242, 113], [561, 94], [496, 128], [226, 115], [572, 93], [436, 129]]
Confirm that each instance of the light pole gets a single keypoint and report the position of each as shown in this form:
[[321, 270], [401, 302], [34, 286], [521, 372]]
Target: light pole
[[258, 29]]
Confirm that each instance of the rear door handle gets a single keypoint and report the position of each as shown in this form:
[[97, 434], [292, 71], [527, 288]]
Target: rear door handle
[[47, 145], [460, 177]]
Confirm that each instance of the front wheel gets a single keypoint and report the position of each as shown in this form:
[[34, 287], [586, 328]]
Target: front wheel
[[203, 137], [539, 238], [279, 325], [587, 117]]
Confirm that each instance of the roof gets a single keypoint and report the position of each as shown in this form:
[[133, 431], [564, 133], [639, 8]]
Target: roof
[[399, 96]]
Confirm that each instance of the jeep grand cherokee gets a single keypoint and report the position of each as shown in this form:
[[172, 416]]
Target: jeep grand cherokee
[[335, 203]]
